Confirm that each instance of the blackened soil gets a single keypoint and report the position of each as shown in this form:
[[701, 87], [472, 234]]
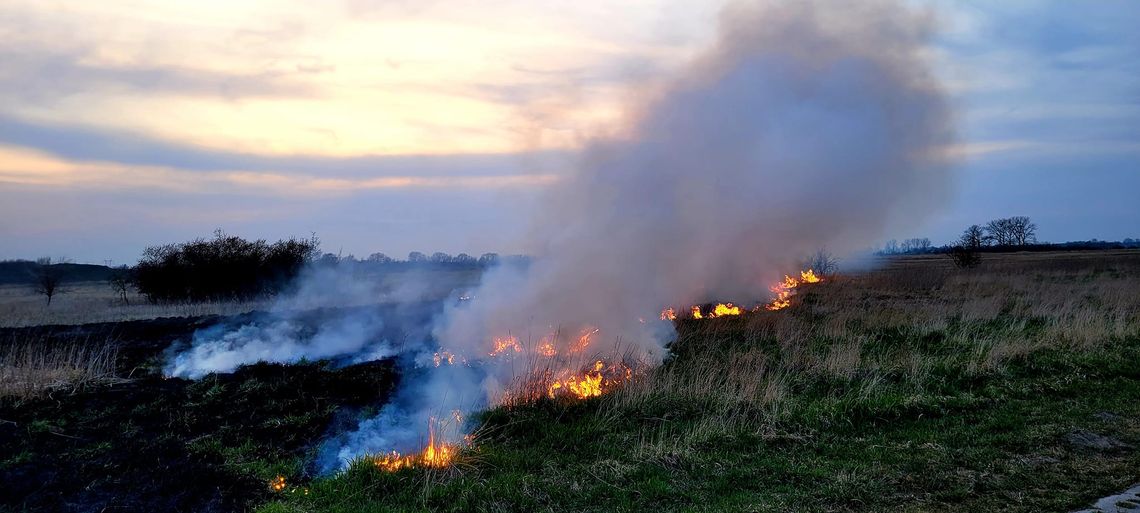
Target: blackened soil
[[153, 444]]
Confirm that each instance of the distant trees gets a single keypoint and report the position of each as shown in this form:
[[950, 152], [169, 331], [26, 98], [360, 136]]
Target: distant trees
[[488, 258], [379, 258], [416, 257], [1011, 231], [915, 245], [225, 267], [1004, 232], [48, 277]]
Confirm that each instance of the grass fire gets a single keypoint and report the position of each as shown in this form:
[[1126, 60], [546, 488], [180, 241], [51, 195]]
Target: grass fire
[[727, 256]]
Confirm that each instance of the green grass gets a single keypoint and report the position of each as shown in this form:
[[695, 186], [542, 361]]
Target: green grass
[[954, 440]]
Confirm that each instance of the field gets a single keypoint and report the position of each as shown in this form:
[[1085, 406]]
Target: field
[[914, 387]]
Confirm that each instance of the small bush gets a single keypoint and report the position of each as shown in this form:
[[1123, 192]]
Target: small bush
[[965, 257], [223, 268]]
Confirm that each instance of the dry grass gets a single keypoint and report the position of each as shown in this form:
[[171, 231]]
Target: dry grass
[[31, 368], [92, 302], [859, 332]]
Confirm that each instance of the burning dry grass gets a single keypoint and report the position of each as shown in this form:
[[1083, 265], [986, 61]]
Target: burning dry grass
[[907, 326], [31, 368], [917, 387]]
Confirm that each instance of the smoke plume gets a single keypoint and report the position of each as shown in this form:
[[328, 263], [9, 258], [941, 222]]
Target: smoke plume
[[807, 125]]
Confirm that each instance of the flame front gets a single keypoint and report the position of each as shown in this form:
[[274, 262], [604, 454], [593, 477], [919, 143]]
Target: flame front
[[785, 289], [505, 344], [589, 383], [435, 455], [723, 309]]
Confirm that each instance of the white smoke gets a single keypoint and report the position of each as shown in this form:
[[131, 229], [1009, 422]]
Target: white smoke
[[223, 348], [332, 313], [807, 125]]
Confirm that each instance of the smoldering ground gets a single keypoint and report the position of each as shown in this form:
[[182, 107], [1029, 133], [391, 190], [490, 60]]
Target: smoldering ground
[[805, 125]]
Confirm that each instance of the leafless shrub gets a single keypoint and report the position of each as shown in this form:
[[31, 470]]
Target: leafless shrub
[[822, 262]]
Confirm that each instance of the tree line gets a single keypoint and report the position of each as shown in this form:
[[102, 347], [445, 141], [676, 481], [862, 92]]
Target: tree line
[[227, 267]]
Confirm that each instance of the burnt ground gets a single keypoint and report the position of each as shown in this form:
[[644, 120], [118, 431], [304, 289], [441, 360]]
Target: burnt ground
[[156, 444]]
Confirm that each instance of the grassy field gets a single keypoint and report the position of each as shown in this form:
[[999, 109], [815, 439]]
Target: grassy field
[[916, 387], [93, 302]]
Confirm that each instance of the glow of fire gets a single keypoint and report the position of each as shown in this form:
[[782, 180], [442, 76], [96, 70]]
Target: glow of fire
[[583, 340], [590, 383], [546, 348], [444, 356], [724, 309], [435, 455], [785, 289], [504, 344]]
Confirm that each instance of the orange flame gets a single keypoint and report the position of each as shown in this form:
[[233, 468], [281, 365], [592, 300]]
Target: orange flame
[[503, 344], [696, 312], [546, 348], [590, 383], [785, 289], [444, 356], [668, 314], [435, 455], [583, 340], [723, 309], [277, 484]]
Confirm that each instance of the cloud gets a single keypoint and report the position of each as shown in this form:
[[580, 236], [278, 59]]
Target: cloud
[[34, 75], [88, 144]]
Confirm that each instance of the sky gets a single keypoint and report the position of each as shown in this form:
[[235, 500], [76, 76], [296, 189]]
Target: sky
[[433, 125]]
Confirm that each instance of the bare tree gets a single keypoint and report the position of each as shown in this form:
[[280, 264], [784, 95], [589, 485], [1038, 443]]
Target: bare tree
[[1022, 231], [973, 237], [822, 262], [1012, 231], [998, 232], [121, 281], [915, 245], [48, 277]]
